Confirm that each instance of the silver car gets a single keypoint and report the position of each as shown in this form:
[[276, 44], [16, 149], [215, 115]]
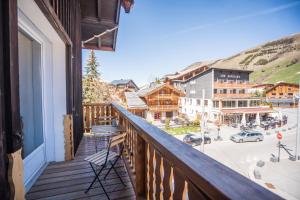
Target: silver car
[[247, 136]]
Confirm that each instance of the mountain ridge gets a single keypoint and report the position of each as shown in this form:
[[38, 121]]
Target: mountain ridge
[[271, 62]]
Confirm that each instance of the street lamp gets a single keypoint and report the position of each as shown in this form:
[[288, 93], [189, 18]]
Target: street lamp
[[298, 125]]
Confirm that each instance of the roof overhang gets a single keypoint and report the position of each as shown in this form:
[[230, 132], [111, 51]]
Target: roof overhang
[[100, 18]]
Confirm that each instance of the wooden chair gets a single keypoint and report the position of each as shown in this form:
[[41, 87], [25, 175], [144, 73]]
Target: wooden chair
[[106, 158]]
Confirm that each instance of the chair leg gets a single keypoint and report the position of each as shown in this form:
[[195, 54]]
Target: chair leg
[[96, 176], [112, 164], [113, 167], [119, 176], [103, 188]]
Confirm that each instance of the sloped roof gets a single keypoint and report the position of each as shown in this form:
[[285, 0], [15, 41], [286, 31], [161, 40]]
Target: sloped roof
[[212, 64], [123, 82], [155, 87], [282, 83], [134, 101], [145, 91], [120, 82]]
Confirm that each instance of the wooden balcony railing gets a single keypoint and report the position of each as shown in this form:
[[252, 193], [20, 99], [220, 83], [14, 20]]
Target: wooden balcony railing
[[228, 96], [93, 112], [163, 107], [233, 85], [161, 166]]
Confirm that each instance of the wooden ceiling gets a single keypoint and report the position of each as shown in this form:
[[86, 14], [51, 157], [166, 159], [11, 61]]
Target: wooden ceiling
[[98, 16]]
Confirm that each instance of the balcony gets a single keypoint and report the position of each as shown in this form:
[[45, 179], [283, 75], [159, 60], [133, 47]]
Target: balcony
[[232, 96], [160, 166], [165, 96], [69, 179], [164, 108], [233, 85]]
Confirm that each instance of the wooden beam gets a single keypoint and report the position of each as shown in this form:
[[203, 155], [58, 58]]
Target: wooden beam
[[4, 189], [11, 76], [99, 9]]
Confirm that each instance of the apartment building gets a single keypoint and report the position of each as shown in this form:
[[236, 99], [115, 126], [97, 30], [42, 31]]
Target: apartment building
[[222, 94]]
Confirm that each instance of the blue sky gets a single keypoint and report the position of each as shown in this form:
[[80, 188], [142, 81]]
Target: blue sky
[[164, 36]]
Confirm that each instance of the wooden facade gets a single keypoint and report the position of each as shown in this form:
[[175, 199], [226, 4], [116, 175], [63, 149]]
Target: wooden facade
[[282, 91], [164, 98]]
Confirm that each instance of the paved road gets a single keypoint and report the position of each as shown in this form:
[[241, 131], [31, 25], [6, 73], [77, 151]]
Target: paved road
[[241, 157]]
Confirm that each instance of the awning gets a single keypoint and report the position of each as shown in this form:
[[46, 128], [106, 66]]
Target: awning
[[247, 110]]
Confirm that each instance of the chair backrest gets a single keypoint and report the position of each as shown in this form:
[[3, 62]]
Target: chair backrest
[[115, 140]]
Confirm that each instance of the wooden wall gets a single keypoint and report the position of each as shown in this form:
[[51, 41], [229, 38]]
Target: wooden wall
[[283, 91]]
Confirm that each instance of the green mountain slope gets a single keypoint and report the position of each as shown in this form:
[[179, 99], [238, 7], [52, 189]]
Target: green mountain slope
[[274, 61], [276, 74]]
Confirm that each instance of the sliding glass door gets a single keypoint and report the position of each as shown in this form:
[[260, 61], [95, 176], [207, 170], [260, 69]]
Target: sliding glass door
[[30, 86]]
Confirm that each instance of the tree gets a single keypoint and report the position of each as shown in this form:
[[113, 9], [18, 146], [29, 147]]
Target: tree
[[92, 65], [157, 80], [93, 89]]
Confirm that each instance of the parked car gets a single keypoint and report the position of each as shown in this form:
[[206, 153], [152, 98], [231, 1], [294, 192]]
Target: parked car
[[196, 139], [234, 125], [245, 127], [247, 136]]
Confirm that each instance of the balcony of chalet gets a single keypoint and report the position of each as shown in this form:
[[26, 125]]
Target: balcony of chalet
[[155, 165]]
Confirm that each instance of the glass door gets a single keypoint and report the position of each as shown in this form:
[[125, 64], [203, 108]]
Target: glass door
[[30, 88]]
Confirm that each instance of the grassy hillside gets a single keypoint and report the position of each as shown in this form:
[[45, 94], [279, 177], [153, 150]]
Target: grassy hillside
[[280, 72], [274, 61], [286, 74]]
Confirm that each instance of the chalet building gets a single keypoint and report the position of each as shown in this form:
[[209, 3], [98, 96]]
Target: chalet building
[[125, 85], [260, 88], [135, 104], [282, 94], [42, 118], [222, 93], [159, 101]]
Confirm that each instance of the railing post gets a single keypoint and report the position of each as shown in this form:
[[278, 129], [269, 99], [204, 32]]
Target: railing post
[[140, 167]]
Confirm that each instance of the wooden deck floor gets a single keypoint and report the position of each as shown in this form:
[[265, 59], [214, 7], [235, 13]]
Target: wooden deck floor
[[68, 180]]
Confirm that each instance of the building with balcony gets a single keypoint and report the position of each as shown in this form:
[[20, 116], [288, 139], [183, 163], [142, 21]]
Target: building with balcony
[[161, 102], [282, 94], [223, 94]]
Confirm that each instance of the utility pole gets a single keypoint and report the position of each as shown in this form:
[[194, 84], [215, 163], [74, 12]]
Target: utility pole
[[298, 127], [202, 118]]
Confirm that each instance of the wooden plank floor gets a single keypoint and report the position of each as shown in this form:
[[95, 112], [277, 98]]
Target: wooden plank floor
[[68, 180]]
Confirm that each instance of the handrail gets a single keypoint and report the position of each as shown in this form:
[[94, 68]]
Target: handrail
[[193, 171]]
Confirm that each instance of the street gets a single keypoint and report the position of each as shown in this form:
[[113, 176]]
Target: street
[[242, 157]]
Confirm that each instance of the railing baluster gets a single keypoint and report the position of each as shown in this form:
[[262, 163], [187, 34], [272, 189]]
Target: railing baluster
[[87, 123], [158, 170], [140, 166], [150, 169], [98, 114], [179, 184], [167, 179], [93, 115]]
